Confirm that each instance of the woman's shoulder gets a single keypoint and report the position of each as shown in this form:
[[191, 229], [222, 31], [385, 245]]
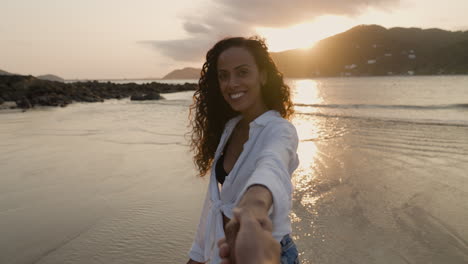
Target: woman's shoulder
[[271, 118], [278, 135], [277, 126]]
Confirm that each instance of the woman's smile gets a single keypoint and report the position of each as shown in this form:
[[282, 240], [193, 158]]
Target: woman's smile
[[235, 96], [240, 82]]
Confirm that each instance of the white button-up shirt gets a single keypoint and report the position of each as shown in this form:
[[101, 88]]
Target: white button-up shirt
[[269, 158]]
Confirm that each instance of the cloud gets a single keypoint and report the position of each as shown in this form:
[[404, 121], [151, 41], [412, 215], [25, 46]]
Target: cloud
[[225, 18], [281, 13], [195, 28], [190, 49]]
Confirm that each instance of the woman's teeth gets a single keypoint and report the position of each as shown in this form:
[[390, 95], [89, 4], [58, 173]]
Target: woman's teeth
[[236, 95]]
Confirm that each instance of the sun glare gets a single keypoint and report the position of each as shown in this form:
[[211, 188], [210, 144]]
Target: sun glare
[[304, 35]]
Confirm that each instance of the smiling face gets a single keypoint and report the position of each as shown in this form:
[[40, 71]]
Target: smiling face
[[240, 81]]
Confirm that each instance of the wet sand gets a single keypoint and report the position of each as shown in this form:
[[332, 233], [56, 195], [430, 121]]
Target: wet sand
[[97, 183]]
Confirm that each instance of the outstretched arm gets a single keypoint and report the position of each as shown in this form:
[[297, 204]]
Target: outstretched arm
[[255, 202], [257, 199]]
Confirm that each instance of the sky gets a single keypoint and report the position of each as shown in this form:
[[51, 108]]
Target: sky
[[118, 39]]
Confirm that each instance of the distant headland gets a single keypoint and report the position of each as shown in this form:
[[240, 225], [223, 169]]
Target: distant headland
[[181, 74]]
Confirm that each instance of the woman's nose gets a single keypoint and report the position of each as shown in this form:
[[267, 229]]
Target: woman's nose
[[233, 82]]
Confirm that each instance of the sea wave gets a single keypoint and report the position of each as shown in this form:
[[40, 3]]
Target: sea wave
[[378, 106], [457, 123]]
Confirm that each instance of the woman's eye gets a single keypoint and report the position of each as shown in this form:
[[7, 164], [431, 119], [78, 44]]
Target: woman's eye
[[222, 76], [243, 73]]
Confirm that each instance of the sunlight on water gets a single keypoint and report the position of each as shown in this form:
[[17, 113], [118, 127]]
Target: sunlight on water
[[306, 92], [308, 132], [307, 152]]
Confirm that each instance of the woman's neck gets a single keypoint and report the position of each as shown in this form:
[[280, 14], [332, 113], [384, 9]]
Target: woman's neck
[[249, 116]]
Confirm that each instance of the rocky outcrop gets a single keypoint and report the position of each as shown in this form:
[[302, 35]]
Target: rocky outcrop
[[51, 77], [28, 91], [144, 97], [23, 103]]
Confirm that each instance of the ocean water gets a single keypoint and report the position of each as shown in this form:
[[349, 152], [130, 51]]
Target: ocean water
[[383, 176], [384, 170]]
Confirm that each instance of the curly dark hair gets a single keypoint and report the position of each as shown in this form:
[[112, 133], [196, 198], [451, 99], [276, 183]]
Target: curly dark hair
[[210, 112]]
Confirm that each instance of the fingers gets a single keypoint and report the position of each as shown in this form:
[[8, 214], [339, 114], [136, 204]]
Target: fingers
[[225, 261], [224, 250], [266, 224], [221, 241], [245, 217], [245, 232], [237, 213], [231, 231]]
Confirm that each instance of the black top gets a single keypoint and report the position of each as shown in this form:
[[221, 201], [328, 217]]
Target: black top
[[219, 170]]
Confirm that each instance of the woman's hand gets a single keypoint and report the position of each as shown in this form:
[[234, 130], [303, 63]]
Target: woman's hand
[[253, 242], [193, 262], [234, 225]]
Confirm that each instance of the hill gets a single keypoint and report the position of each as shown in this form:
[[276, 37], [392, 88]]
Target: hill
[[185, 73], [51, 77], [5, 73], [368, 50]]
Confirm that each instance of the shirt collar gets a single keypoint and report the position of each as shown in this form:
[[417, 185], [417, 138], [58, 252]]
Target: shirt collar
[[265, 118], [261, 120]]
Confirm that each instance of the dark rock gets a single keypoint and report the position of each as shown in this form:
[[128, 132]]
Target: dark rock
[[137, 97], [149, 96], [1, 100], [153, 96], [29, 91], [51, 100], [23, 103]]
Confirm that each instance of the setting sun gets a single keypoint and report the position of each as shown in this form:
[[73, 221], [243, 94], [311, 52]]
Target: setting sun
[[304, 35]]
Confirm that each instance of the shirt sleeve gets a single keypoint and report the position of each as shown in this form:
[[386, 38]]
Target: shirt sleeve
[[198, 246], [274, 166]]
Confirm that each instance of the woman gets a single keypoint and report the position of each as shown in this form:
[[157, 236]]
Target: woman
[[240, 134]]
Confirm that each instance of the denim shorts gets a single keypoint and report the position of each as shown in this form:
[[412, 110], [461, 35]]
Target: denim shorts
[[289, 253]]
